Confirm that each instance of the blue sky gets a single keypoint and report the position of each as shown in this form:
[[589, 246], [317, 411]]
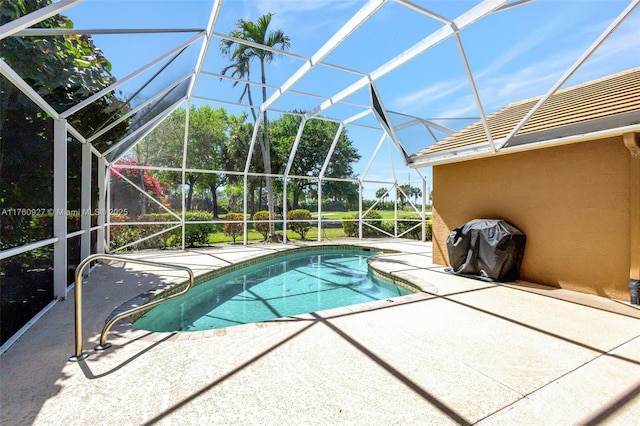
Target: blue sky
[[514, 55]]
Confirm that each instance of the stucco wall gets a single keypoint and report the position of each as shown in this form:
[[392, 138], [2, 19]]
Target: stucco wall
[[572, 202]]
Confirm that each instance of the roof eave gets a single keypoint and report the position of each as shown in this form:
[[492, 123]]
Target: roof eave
[[482, 150]]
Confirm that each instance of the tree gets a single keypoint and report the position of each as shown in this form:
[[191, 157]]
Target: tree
[[242, 55], [316, 139], [415, 192], [126, 197], [207, 149], [240, 132], [342, 192], [64, 70], [403, 192], [162, 147], [382, 193]]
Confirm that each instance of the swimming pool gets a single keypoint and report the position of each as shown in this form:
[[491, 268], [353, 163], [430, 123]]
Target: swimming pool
[[288, 285]]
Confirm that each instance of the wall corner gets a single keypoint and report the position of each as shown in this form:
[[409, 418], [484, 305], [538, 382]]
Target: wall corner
[[632, 142]]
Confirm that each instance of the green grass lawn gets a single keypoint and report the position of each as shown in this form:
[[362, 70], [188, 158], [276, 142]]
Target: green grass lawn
[[327, 233], [333, 215], [386, 214], [255, 236]]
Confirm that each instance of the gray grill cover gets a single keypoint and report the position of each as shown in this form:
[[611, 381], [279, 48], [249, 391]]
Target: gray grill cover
[[487, 249]]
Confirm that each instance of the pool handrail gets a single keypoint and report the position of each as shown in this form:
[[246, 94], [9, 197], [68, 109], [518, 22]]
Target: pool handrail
[[79, 354]]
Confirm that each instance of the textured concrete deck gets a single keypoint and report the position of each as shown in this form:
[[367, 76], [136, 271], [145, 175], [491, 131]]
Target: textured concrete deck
[[460, 352]]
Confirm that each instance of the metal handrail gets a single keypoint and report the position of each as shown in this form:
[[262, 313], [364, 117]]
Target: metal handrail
[[79, 354]]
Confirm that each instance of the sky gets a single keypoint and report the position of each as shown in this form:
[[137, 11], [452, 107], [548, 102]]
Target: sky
[[513, 55]]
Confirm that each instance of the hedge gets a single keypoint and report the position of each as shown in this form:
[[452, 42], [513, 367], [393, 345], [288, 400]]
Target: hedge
[[195, 233], [350, 226], [407, 222]]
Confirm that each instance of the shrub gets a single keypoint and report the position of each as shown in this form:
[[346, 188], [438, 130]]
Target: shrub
[[40, 227], [350, 227], [404, 223], [197, 233], [262, 227], [120, 235], [429, 230], [159, 241], [300, 228], [233, 229], [407, 222], [374, 218]]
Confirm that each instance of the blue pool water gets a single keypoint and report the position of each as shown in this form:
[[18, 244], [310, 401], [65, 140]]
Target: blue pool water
[[289, 285]]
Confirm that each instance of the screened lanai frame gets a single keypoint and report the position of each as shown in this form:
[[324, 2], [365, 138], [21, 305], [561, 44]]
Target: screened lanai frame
[[185, 85]]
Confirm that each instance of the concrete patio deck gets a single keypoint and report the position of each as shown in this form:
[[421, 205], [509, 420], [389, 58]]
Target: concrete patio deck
[[461, 351]]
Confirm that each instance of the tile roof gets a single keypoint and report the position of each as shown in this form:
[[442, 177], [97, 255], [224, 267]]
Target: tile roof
[[604, 97]]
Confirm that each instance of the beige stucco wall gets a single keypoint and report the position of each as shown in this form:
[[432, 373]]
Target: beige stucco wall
[[572, 202]]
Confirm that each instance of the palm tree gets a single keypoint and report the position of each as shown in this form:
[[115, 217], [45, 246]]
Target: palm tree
[[403, 193], [415, 193], [382, 193], [240, 70], [242, 55]]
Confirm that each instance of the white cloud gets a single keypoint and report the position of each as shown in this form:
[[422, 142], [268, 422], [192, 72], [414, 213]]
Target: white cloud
[[289, 13], [619, 52], [421, 98]]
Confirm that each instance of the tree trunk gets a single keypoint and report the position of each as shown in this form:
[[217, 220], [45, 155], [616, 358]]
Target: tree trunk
[[143, 201], [143, 198], [296, 198], [266, 156], [214, 201], [252, 197], [191, 181]]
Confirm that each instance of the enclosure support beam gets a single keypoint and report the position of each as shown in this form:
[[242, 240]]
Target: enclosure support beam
[[35, 17], [319, 198], [287, 170], [143, 105], [119, 149], [107, 207], [102, 205], [476, 95], [338, 37], [284, 209], [131, 76], [461, 22], [373, 157], [213, 18], [323, 171], [360, 209], [424, 209], [85, 202], [594, 46], [185, 147], [60, 208], [245, 181]]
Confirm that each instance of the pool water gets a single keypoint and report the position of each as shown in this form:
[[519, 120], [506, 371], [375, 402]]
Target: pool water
[[289, 285]]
